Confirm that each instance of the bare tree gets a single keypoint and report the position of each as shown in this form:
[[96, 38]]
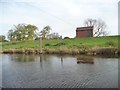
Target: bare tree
[[99, 26]]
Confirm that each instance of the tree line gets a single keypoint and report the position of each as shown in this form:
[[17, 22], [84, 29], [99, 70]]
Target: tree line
[[23, 32]]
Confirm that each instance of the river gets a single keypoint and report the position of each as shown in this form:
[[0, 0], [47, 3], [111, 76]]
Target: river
[[56, 71]]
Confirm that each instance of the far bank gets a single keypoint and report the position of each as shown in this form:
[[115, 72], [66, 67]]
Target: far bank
[[90, 46]]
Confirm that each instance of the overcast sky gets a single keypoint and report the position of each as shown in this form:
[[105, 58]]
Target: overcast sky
[[62, 15], [119, 18]]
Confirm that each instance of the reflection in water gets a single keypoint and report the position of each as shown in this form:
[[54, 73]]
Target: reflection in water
[[86, 60], [48, 71], [61, 60], [22, 58], [41, 62]]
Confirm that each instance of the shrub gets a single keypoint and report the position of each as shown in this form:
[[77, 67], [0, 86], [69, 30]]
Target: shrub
[[59, 44], [66, 38], [110, 43], [47, 44]]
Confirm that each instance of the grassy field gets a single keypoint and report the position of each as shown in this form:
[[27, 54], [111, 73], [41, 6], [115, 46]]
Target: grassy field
[[65, 45]]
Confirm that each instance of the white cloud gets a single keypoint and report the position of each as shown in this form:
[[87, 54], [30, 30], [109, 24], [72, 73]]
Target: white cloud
[[62, 15]]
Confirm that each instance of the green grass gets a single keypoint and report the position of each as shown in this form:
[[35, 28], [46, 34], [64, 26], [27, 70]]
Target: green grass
[[108, 41]]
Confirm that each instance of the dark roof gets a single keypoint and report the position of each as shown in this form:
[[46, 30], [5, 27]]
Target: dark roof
[[84, 28]]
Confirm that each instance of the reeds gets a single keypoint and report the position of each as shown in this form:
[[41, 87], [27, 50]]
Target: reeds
[[64, 50]]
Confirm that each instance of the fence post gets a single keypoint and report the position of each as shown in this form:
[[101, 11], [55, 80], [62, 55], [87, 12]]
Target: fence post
[[40, 44]]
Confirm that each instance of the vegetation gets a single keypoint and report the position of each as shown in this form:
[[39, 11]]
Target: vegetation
[[45, 31], [54, 36], [99, 26], [73, 45], [66, 38], [22, 32], [24, 38], [2, 38]]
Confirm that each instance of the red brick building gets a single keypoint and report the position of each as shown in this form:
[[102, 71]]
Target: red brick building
[[84, 32]]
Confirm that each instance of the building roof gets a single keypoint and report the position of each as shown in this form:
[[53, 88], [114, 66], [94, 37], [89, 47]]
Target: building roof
[[84, 28]]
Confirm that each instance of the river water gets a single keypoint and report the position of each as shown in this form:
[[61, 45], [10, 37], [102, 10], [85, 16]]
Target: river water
[[55, 71]]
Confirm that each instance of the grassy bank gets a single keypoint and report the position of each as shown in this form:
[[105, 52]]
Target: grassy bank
[[96, 45]]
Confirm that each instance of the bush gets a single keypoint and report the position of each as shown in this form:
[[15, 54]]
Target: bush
[[66, 38], [37, 39], [110, 43], [47, 44], [59, 44]]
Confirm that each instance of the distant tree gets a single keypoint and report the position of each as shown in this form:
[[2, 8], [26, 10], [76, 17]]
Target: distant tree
[[45, 31], [22, 32], [11, 35], [99, 26], [19, 31], [2, 38], [54, 36], [31, 31]]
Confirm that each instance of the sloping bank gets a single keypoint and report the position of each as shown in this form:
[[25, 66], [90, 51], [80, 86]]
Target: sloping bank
[[107, 45], [93, 51]]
